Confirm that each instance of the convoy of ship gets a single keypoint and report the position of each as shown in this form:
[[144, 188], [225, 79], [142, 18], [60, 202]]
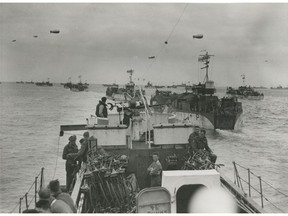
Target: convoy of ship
[[115, 180]]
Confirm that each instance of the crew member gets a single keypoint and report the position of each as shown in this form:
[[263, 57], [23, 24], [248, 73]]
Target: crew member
[[202, 144], [82, 153], [155, 170], [192, 146], [71, 164], [127, 116], [56, 192], [101, 108]]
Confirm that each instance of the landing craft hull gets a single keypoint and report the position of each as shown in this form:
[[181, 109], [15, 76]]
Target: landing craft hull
[[209, 112], [248, 97], [211, 120], [261, 97]]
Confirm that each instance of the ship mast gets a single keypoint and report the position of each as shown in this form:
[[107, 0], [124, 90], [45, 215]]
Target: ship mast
[[130, 72], [205, 59], [243, 79]]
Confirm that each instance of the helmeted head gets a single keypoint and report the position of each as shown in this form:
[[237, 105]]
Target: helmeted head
[[44, 194], [72, 138], [86, 135], [202, 132], [54, 187], [43, 206], [103, 99]]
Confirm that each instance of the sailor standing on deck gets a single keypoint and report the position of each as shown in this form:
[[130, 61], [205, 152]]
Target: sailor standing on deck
[[101, 108], [71, 164], [81, 156], [155, 170]]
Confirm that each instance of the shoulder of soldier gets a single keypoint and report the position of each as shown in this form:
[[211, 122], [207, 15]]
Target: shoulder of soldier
[[59, 206]]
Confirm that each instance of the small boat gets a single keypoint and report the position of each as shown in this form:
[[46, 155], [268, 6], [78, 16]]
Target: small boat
[[114, 85], [78, 87], [128, 93], [149, 85], [31, 82], [279, 87], [47, 83], [244, 92]]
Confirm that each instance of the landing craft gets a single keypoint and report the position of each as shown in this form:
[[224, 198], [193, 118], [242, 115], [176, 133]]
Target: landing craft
[[54, 31], [198, 36]]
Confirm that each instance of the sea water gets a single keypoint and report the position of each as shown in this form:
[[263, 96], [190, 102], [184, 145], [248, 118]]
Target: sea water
[[30, 119]]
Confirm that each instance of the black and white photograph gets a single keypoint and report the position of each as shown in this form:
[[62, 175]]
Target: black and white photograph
[[144, 107]]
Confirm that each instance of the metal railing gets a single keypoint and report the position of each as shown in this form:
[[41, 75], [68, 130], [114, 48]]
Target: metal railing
[[238, 181], [37, 188]]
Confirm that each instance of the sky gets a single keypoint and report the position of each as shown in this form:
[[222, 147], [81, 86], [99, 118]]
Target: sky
[[101, 41]]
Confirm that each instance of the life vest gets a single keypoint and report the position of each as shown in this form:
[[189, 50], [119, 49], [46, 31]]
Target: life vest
[[105, 112]]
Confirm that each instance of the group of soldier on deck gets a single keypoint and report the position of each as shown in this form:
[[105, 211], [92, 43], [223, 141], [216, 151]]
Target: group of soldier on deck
[[74, 157]]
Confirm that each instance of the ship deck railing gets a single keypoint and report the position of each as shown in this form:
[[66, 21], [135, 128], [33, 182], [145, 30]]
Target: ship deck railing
[[31, 195], [251, 184]]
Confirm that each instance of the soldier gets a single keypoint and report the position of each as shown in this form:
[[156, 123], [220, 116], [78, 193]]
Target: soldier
[[56, 192], [155, 170], [71, 164], [192, 146], [202, 144], [82, 153], [101, 108]]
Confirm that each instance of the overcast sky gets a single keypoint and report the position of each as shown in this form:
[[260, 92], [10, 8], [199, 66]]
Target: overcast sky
[[102, 41]]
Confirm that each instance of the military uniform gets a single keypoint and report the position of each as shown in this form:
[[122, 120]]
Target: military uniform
[[82, 154], [192, 146], [202, 144], [101, 110], [155, 173], [71, 164]]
